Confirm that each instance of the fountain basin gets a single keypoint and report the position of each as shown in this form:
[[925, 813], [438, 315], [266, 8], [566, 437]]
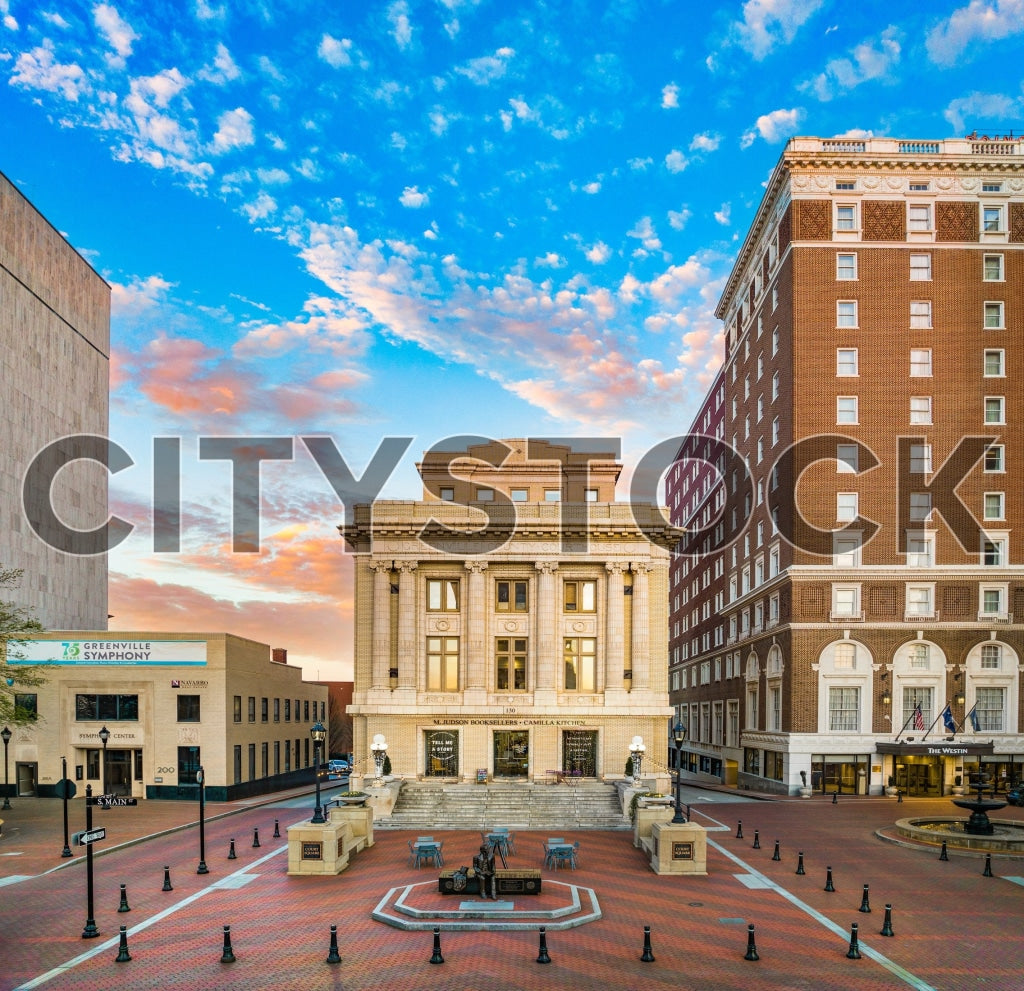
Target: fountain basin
[[1007, 834]]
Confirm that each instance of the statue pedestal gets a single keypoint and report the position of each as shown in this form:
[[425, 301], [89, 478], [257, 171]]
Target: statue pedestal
[[680, 848], [325, 848]]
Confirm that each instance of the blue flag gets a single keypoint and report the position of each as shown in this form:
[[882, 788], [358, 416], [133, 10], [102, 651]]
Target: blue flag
[[973, 717], [947, 719]]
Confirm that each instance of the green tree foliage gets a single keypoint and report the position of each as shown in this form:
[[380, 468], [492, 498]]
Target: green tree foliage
[[15, 622]]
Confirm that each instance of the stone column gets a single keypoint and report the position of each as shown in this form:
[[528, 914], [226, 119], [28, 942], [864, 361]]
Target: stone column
[[641, 629], [476, 628], [547, 635], [407, 652], [615, 628], [381, 623]]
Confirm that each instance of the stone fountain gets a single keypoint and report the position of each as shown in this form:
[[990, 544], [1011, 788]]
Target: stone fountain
[[978, 824]]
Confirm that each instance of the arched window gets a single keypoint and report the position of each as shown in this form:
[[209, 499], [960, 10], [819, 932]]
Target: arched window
[[919, 673], [992, 688], [844, 688]]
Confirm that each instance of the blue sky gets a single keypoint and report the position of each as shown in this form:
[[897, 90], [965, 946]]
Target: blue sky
[[425, 219]]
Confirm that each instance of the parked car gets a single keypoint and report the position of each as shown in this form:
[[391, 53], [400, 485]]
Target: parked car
[[337, 768], [1015, 796]]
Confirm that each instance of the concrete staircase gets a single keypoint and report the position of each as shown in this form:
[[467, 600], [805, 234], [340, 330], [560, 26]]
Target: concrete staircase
[[427, 805]]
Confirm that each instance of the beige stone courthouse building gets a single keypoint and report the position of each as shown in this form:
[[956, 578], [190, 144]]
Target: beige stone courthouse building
[[512, 623]]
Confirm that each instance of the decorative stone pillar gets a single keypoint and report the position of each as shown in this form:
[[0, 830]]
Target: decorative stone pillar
[[381, 622], [476, 627], [615, 627], [407, 652], [548, 638], [641, 628]]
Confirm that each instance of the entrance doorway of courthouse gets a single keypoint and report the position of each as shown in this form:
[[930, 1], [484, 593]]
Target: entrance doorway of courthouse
[[511, 753]]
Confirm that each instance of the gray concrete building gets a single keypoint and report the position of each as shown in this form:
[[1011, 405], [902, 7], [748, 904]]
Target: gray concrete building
[[54, 370]]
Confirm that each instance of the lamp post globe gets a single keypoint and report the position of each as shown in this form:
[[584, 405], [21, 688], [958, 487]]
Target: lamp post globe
[[379, 750], [104, 735], [5, 735], [637, 749], [319, 735], [679, 737]]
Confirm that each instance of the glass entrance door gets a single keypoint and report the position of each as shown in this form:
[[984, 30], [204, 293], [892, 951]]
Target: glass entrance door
[[579, 753], [511, 753]]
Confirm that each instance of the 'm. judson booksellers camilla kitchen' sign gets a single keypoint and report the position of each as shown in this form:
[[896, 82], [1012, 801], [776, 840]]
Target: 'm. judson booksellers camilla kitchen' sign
[[164, 653]]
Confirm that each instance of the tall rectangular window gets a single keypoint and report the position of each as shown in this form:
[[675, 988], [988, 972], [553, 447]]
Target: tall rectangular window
[[579, 655], [579, 596], [995, 505], [846, 266], [920, 550], [993, 268], [989, 709], [921, 313], [511, 596], [920, 268], [920, 409], [920, 362], [252, 708], [920, 459], [443, 594], [995, 363], [442, 664], [846, 313], [919, 217], [847, 459], [510, 663], [991, 218], [994, 458], [846, 506], [846, 217], [846, 409], [995, 409], [994, 315], [844, 710], [920, 506], [236, 708], [846, 361]]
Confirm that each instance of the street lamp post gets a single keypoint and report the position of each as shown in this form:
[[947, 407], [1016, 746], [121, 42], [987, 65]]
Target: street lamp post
[[90, 931], [6, 735], [637, 751], [64, 785], [379, 750], [679, 736], [104, 735], [319, 734], [201, 781]]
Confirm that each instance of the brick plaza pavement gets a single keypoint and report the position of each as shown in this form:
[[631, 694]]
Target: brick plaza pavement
[[954, 928]]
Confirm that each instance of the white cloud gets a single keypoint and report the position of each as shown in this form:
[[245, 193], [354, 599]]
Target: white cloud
[[51, 17], [871, 59], [116, 30], [592, 187], [640, 164], [401, 28], [966, 110], [670, 96], [675, 161], [334, 51], [978, 21], [273, 177], [551, 260], [487, 68], [205, 11], [439, 121], [38, 69], [599, 253], [140, 294], [260, 208], [767, 23], [413, 198], [11, 22], [722, 215], [234, 130], [705, 142], [223, 69], [645, 233], [774, 127], [677, 219]]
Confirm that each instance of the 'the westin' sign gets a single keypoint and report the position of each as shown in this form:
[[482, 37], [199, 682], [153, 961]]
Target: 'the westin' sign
[[170, 653]]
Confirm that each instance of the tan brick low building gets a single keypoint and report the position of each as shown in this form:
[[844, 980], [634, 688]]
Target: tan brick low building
[[856, 564], [512, 622], [170, 702]]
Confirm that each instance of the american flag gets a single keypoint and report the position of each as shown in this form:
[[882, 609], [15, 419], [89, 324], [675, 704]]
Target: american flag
[[918, 717]]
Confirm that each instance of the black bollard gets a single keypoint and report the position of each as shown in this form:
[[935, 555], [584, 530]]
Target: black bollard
[[123, 956], [828, 880], [739, 829], [542, 956], [987, 872], [231, 852], [436, 956], [751, 953], [277, 830], [865, 905], [333, 956], [647, 956], [800, 863], [899, 797], [943, 855], [256, 837], [853, 953], [835, 798], [757, 841], [887, 924], [775, 855], [124, 900], [228, 956], [167, 880]]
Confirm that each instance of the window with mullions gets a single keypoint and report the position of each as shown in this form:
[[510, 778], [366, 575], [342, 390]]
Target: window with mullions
[[442, 664], [511, 596], [989, 709], [188, 708], [844, 710], [443, 594], [103, 707], [510, 663], [579, 596], [580, 657]]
